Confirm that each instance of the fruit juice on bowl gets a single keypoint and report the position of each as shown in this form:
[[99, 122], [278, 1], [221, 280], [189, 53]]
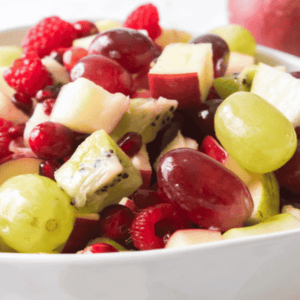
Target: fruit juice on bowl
[[273, 23], [93, 146]]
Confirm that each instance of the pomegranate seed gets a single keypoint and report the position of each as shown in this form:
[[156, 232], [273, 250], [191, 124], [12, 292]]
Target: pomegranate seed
[[57, 54], [16, 131], [23, 102], [98, 248], [48, 167], [48, 105], [85, 28], [50, 140], [4, 144], [50, 91], [115, 222], [5, 125], [72, 56], [131, 143]]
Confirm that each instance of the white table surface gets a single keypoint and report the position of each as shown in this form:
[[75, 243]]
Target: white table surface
[[192, 15]]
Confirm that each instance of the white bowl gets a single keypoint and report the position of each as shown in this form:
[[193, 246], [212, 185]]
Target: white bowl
[[263, 267]]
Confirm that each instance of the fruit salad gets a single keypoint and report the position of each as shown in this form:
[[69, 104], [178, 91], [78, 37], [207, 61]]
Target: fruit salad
[[126, 136]]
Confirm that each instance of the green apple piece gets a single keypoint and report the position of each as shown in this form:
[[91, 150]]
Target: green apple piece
[[8, 54], [190, 237], [280, 222], [178, 142], [99, 173], [109, 242], [237, 37], [280, 89], [86, 107], [238, 61], [84, 42]]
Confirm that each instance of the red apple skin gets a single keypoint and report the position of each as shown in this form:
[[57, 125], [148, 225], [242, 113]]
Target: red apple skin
[[146, 177], [83, 231], [273, 23], [213, 149], [182, 87]]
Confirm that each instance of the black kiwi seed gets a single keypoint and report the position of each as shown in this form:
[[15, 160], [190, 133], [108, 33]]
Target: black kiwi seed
[[111, 151], [125, 175], [108, 155], [153, 124], [73, 202], [172, 108], [120, 175], [119, 179], [157, 117]]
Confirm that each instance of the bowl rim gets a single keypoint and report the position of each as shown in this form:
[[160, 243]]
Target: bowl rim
[[274, 56]]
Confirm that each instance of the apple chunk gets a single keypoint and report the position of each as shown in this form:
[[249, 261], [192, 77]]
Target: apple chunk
[[189, 237], [238, 62], [183, 72], [17, 164], [86, 107]]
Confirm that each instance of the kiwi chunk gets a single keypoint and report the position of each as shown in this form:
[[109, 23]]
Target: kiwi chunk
[[98, 174]]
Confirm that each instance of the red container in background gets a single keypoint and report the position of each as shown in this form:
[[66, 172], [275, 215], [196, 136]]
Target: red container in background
[[274, 23]]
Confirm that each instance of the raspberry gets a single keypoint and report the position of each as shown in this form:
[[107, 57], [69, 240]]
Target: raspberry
[[145, 17], [27, 75], [152, 226], [49, 34]]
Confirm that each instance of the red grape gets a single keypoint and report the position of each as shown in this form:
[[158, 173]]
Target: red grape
[[203, 190], [130, 48], [104, 72]]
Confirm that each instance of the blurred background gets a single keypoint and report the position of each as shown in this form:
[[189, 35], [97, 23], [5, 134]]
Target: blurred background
[[192, 15]]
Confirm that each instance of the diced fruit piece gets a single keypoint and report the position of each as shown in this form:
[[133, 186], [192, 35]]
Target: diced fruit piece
[[37, 117], [104, 72], [58, 72], [290, 209], [227, 85], [8, 54], [142, 163], [107, 24], [152, 226], [178, 142], [51, 91], [85, 28], [23, 102], [146, 117], [263, 188], [189, 237], [115, 221], [128, 203], [18, 164], [238, 38], [84, 106], [132, 49], [238, 61], [145, 198], [170, 36], [280, 222], [84, 42], [220, 52], [48, 106], [98, 248], [36, 215], [83, 231], [10, 112], [107, 241], [183, 72], [247, 75], [256, 134], [280, 89], [57, 54], [47, 168], [98, 174], [7, 90], [51, 140], [203, 190], [145, 17]]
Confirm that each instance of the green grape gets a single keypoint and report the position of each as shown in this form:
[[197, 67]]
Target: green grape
[[257, 135], [8, 54], [35, 214], [237, 37]]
